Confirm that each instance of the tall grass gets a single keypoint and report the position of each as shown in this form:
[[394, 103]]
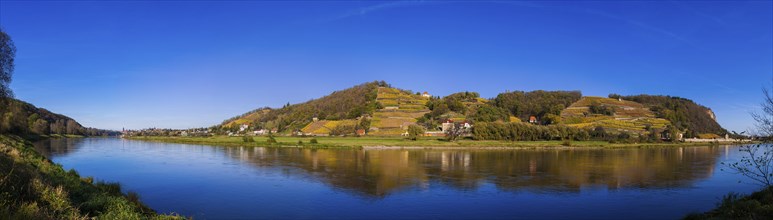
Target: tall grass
[[32, 187]]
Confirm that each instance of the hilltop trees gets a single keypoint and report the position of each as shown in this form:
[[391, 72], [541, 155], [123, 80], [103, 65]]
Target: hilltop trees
[[345, 104], [536, 103]]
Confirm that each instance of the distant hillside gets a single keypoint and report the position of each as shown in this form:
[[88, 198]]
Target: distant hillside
[[612, 114], [19, 117], [350, 103], [683, 113], [400, 109], [381, 110]]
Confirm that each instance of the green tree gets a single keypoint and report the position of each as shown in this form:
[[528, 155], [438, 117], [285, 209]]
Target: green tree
[[489, 113], [414, 131], [7, 56]]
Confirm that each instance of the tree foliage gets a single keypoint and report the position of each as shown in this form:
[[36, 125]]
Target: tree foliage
[[345, 104], [597, 108], [21, 118], [7, 56], [414, 131], [537, 103], [489, 113]]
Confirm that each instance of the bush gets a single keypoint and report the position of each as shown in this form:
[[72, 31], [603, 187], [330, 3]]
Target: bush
[[414, 131], [313, 141], [247, 139]]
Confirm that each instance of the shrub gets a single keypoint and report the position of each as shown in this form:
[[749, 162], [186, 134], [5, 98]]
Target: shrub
[[247, 139], [313, 141]]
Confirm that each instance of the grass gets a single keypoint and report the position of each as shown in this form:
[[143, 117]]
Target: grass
[[33, 187], [758, 205], [372, 141]]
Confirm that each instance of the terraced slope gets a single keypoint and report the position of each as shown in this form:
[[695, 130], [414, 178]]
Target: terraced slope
[[628, 116], [324, 127], [400, 109]]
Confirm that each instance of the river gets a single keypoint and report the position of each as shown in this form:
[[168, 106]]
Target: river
[[211, 182]]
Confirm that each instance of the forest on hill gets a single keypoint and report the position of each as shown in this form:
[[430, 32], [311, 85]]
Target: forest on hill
[[22, 118], [382, 110], [340, 105], [683, 113]]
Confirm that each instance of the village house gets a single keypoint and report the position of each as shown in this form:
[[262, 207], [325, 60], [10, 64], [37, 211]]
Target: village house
[[533, 119], [449, 124], [425, 95], [260, 132]]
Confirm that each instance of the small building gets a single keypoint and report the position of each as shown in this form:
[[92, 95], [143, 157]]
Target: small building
[[533, 119], [243, 127], [360, 132], [260, 132], [425, 95], [446, 125]]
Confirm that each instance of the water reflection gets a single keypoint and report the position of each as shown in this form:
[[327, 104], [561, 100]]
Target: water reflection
[[377, 173], [58, 146], [381, 172]]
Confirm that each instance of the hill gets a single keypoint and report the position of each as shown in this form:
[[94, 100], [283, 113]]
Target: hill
[[400, 109], [22, 118], [351, 103], [612, 114], [381, 110], [683, 113]]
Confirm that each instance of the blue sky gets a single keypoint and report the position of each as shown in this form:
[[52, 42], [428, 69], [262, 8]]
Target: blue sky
[[138, 64]]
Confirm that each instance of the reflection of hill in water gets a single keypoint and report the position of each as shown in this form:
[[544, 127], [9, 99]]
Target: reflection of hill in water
[[58, 146], [380, 172], [377, 173]]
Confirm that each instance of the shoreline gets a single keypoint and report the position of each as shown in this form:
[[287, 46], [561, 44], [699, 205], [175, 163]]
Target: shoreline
[[392, 143]]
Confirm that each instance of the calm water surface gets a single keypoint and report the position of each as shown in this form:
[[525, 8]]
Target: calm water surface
[[209, 182]]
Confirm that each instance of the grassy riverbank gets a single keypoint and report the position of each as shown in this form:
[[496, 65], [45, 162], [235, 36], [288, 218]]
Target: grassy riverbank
[[758, 205], [357, 142], [33, 187]]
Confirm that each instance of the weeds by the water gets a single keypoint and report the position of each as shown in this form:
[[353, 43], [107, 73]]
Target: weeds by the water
[[758, 205], [32, 187]]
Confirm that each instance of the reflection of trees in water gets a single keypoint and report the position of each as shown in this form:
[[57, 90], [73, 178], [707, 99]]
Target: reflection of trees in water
[[58, 146], [380, 172], [367, 172]]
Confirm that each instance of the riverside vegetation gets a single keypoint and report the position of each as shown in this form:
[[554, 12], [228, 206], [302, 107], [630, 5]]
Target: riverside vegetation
[[33, 187]]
